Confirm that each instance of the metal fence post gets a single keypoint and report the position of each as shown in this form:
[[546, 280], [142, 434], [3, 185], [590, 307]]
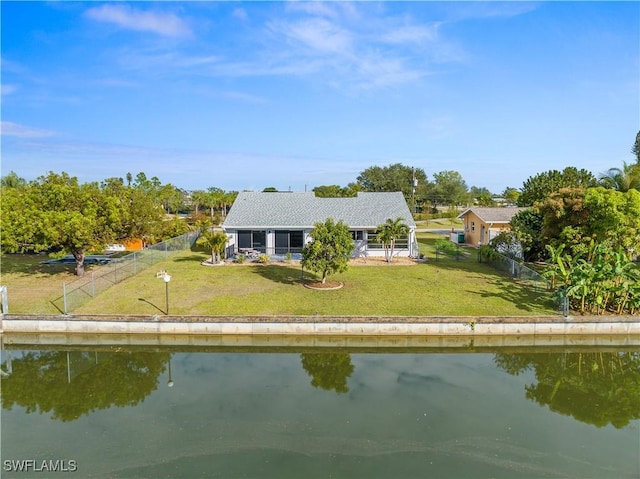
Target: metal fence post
[[64, 297], [5, 300]]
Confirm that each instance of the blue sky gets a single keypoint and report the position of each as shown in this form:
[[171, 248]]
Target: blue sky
[[245, 95]]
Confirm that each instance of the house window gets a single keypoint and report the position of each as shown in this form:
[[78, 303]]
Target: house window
[[289, 241], [259, 239], [357, 235], [244, 239], [473, 226], [372, 241], [248, 239]]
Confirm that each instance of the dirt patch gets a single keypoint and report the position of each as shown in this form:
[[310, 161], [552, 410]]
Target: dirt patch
[[380, 261], [326, 286]]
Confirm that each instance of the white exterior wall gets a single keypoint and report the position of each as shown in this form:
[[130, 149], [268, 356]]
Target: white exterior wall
[[271, 243]]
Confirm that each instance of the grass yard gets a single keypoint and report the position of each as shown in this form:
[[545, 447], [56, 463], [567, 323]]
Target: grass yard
[[434, 288], [32, 287]]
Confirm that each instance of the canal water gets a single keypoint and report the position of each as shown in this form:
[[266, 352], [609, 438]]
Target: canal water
[[113, 412]]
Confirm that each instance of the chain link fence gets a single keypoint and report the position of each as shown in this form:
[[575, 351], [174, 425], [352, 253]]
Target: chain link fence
[[518, 271], [81, 290]]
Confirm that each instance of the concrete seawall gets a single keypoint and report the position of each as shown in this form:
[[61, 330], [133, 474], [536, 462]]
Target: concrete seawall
[[591, 330]]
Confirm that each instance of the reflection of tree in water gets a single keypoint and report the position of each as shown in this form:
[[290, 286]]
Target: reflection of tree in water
[[328, 370], [595, 388], [70, 384]]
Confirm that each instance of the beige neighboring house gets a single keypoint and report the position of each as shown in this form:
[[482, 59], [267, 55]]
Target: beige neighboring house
[[482, 224]]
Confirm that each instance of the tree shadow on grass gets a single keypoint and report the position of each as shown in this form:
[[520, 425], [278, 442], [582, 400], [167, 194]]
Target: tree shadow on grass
[[193, 258], [28, 264], [522, 297], [288, 274]]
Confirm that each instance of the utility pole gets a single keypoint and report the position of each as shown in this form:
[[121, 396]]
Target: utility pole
[[414, 183]]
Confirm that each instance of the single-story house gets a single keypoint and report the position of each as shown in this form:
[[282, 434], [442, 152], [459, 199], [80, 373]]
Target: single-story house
[[482, 224], [281, 222]]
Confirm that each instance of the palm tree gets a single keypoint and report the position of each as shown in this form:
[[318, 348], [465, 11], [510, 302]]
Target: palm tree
[[216, 241], [198, 198], [621, 179], [389, 233]]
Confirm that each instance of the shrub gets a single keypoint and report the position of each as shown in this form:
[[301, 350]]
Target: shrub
[[446, 246], [241, 258], [263, 258]]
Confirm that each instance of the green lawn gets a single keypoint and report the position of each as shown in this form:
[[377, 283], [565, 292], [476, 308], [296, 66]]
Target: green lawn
[[32, 287], [434, 288]]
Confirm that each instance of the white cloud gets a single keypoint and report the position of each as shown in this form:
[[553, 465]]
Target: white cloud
[[317, 34], [355, 48], [8, 89], [165, 24], [345, 46], [495, 9], [411, 34], [240, 14], [8, 128], [319, 9]]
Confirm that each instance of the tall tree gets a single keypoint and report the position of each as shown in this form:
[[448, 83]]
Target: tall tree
[[614, 216], [564, 218], [511, 195], [335, 191], [141, 215], [636, 148], [481, 196], [214, 199], [576, 218], [329, 250], [57, 213], [539, 187], [172, 198], [198, 198], [395, 177], [526, 225], [451, 187]]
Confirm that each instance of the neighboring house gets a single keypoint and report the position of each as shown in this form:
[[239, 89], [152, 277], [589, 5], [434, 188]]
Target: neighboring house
[[280, 222], [481, 225]]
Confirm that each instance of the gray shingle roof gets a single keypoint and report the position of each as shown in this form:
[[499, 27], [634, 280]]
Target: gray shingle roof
[[301, 210], [493, 215]]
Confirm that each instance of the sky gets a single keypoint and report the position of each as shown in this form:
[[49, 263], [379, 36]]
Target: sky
[[293, 95]]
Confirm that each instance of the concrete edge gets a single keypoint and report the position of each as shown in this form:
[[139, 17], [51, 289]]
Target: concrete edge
[[319, 326]]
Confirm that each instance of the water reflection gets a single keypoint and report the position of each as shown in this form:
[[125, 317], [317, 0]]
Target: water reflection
[[240, 412], [68, 384], [597, 388], [328, 371]]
